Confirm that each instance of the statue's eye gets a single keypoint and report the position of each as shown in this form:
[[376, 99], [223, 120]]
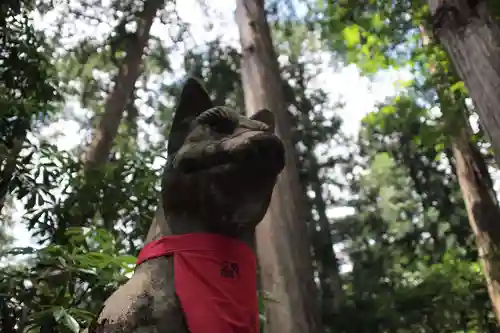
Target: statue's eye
[[219, 119]]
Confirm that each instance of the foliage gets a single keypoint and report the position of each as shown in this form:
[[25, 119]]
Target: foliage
[[410, 228], [407, 260], [84, 277], [27, 94]]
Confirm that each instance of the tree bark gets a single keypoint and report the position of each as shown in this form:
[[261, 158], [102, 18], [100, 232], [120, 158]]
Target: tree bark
[[326, 259], [98, 151], [281, 238], [471, 36], [468, 34], [482, 208]]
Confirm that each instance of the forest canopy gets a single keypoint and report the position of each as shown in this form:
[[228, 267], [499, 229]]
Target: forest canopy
[[394, 153]]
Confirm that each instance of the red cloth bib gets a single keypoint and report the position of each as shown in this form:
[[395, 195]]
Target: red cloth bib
[[215, 280]]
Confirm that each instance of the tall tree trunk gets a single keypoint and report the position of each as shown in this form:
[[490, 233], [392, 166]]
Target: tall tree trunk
[[471, 170], [98, 151], [326, 259], [482, 208], [471, 36], [326, 263], [282, 243]]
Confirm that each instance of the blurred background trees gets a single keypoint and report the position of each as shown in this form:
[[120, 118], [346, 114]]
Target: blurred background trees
[[397, 173]]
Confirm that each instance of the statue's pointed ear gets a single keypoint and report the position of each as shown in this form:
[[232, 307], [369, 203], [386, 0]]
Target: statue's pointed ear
[[265, 116], [193, 101]]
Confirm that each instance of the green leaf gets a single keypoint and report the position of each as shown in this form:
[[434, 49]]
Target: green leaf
[[22, 192], [63, 317], [439, 147], [458, 86], [70, 323], [33, 328], [46, 178], [352, 35], [87, 271], [58, 313], [376, 21], [31, 202], [40, 199], [21, 251], [125, 261]]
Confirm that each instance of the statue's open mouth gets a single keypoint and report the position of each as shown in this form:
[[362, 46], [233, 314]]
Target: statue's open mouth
[[261, 152]]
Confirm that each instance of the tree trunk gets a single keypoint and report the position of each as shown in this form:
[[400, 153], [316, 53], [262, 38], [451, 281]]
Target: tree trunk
[[99, 149], [471, 36], [482, 209], [469, 46], [107, 128], [326, 259], [282, 243]]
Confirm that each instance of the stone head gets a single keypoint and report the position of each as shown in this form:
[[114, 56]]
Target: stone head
[[222, 167]]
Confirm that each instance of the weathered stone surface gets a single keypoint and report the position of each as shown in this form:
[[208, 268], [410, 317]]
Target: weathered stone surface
[[219, 178]]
